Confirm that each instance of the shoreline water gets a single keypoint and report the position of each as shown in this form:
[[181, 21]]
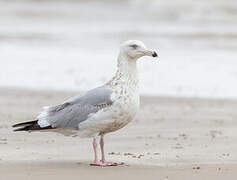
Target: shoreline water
[[59, 45]]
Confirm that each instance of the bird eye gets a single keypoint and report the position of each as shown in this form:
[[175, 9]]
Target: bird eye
[[134, 46]]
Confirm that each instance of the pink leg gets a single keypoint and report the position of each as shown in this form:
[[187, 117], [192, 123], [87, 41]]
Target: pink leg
[[95, 151], [103, 161], [102, 149]]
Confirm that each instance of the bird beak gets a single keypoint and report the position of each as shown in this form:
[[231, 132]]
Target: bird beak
[[150, 53]]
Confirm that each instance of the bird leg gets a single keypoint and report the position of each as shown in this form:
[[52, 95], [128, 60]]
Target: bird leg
[[96, 162], [102, 149], [103, 162], [95, 151]]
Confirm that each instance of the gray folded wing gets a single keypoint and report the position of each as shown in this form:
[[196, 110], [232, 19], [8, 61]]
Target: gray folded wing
[[76, 110]]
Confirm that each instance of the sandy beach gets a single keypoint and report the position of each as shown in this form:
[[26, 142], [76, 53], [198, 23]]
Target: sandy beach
[[171, 138]]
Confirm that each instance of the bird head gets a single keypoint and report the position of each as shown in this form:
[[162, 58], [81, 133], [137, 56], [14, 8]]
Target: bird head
[[135, 49]]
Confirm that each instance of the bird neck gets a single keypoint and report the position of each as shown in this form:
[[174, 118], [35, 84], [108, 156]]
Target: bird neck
[[126, 72]]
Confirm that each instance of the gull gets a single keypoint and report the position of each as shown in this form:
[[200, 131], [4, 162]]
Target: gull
[[101, 110]]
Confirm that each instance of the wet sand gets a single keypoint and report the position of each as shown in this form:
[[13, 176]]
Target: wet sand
[[171, 138]]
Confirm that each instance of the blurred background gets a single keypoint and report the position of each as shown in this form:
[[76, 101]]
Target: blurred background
[[73, 44]]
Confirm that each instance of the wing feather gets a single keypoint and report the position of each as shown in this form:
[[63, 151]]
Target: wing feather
[[76, 110]]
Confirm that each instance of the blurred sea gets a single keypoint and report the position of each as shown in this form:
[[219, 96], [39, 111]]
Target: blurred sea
[[73, 44]]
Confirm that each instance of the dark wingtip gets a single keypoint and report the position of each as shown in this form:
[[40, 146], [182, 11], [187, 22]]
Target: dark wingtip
[[24, 123], [15, 125], [19, 129], [30, 126]]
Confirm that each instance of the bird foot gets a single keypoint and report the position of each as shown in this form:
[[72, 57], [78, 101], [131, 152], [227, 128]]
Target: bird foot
[[105, 164]]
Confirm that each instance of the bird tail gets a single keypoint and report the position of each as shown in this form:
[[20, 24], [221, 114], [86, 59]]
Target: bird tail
[[29, 126]]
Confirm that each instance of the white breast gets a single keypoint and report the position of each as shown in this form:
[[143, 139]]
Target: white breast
[[125, 98], [114, 117]]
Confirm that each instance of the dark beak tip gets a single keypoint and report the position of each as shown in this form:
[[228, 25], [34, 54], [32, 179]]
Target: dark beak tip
[[154, 54]]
